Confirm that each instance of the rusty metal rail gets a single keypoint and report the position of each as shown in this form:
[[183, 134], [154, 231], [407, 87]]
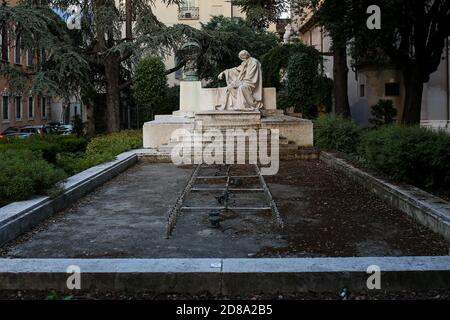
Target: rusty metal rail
[[180, 206]]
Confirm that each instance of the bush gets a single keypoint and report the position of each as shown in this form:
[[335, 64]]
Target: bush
[[383, 113], [296, 71], [115, 143], [47, 146], [336, 133], [100, 149], [24, 173], [415, 155], [150, 87]]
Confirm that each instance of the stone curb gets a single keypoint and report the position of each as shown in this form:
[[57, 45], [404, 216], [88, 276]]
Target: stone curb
[[424, 207], [227, 276], [18, 217]]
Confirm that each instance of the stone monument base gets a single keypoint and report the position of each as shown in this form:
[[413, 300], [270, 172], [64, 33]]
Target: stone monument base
[[198, 108], [297, 131]]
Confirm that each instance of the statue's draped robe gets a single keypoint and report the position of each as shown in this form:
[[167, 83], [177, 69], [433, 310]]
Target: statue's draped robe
[[244, 87]]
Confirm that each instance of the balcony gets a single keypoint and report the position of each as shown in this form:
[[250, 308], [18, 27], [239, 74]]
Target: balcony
[[189, 13]]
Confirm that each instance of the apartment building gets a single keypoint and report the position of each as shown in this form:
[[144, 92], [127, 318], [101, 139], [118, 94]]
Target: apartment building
[[193, 13], [190, 12], [26, 109]]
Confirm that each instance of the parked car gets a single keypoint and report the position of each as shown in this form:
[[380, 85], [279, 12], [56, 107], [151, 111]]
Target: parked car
[[9, 131], [38, 130], [65, 129], [19, 135]]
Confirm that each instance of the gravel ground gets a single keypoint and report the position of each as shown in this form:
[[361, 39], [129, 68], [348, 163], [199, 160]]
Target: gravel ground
[[325, 213]]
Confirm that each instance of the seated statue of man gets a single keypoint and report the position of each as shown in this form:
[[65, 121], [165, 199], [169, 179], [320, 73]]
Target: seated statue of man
[[244, 85]]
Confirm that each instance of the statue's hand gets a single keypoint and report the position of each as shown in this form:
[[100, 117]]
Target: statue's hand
[[221, 75]]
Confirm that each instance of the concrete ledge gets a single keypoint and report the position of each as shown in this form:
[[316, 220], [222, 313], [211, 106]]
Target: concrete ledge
[[425, 208], [19, 217], [227, 276]]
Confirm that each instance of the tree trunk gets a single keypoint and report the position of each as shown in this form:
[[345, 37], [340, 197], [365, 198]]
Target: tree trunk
[[128, 19], [112, 77], [90, 121], [340, 72], [413, 94]]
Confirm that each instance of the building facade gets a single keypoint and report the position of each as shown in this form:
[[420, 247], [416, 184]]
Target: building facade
[[367, 85], [193, 13], [28, 109], [25, 109]]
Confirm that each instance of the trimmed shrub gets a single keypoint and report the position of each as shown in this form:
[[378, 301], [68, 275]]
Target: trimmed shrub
[[100, 149], [115, 143], [24, 173], [337, 133], [411, 154], [383, 113], [48, 146]]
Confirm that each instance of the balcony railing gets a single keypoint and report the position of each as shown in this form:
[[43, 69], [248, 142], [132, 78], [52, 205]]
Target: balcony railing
[[189, 13]]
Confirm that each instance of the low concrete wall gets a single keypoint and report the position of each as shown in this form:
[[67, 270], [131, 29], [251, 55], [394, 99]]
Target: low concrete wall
[[425, 208], [227, 276], [20, 217]]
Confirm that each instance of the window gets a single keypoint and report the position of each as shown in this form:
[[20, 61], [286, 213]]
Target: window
[[188, 4], [44, 107], [5, 108], [30, 108], [392, 89], [362, 90], [17, 51], [43, 56], [5, 47], [189, 10], [18, 108], [30, 60]]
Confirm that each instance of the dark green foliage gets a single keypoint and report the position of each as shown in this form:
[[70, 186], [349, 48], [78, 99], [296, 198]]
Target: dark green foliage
[[237, 34], [63, 72], [78, 126], [150, 87], [410, 154], [48, 146], [100, 149], [296, 71], [415, 155], [337, 133], [383, 113], [23, 173], [172, 100]]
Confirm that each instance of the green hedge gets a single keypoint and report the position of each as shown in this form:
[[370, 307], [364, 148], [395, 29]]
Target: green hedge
[[24, 173], [336, 133], [48, 146], [415, 155], [100, 149], [410, 154]]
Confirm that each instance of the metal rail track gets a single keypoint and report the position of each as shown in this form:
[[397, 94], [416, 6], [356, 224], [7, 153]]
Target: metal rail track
[[179, 204]]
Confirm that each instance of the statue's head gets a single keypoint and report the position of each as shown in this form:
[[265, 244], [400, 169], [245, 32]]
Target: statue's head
[[244, 55]]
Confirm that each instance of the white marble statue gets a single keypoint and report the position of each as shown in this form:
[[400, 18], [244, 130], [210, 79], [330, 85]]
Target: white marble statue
[[244, 85]]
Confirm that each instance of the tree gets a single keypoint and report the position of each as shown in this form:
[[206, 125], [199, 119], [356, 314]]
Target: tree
[[297, 73], [335, 17], [101, 46], [413, 35], [150, 87], [58, 69], [257, 41]]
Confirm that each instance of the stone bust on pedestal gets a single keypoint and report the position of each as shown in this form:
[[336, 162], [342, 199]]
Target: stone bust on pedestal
[[244, 85]]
